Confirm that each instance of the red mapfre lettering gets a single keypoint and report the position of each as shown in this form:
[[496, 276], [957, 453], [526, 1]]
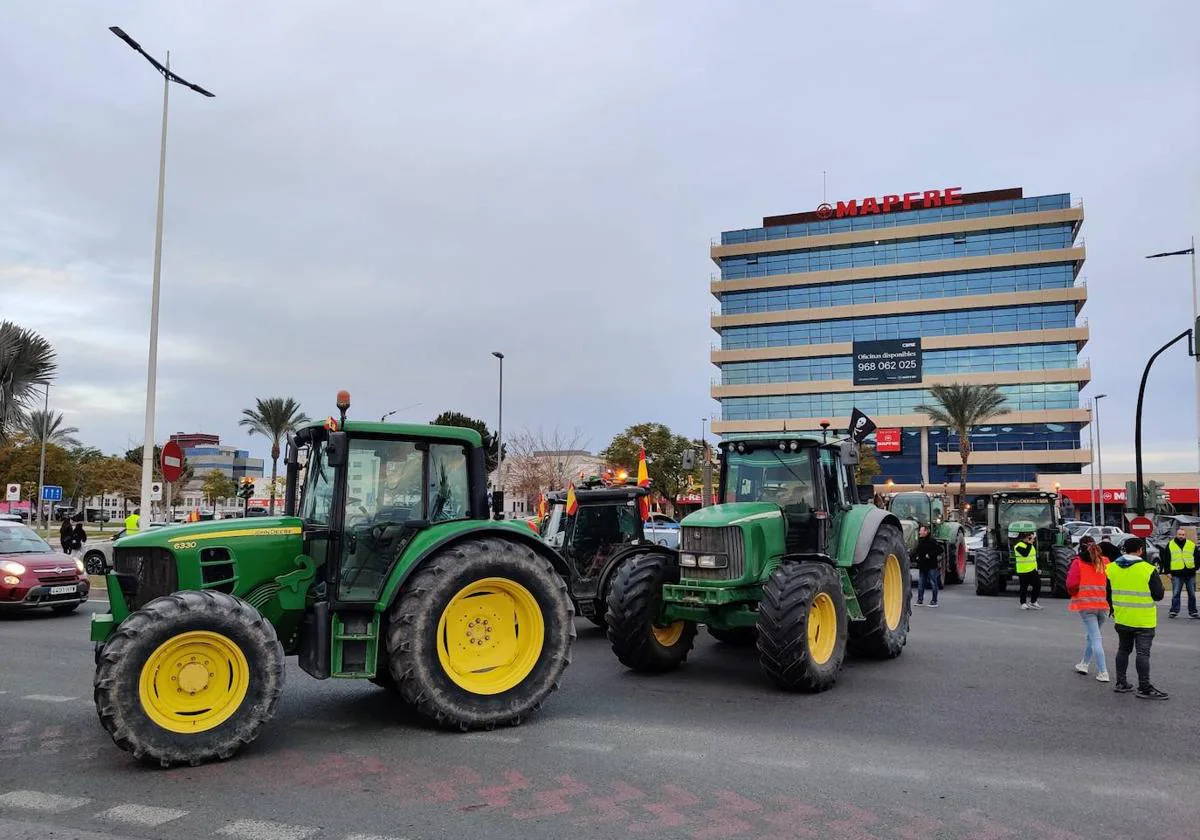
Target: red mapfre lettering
[[951, 195], [870, 205], [847, 208], [908, 197], [931, 198], [889, 201]]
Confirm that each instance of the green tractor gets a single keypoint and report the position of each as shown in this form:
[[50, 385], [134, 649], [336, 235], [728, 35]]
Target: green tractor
[[1009, 515], [915, 509], [788, 562], [384, 567]]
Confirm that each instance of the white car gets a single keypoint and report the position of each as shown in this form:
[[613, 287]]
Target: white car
[[97, 554], [662, 530]]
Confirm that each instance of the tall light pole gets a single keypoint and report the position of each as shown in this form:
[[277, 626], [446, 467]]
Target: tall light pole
[[706, 467], [1099, 461], [152, 361], [1195, 322], [1092, 466], [500, 436], [42, 460]]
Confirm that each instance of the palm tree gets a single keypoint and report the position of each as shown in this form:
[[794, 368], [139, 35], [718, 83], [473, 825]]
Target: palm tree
[[26, 362], [962, 407], [38, 422], [274, 418]]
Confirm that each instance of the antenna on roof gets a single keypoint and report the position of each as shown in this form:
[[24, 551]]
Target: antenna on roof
[[824, 198]]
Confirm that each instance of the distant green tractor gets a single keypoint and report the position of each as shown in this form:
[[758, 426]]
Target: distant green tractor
[[1009, 515], [915, 509], [384, 567], [787, 561]]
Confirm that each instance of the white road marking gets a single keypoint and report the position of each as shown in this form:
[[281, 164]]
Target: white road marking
[[490, 737], [49, 803], [889, 772], [3, 692], [370, 837], [263, 830], [48, 698], [586, 746], [146, 815], [1009, 782], [781, 763], [1127, 793]]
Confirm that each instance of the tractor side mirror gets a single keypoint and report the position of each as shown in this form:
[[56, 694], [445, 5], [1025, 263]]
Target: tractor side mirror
[[848, 453], [688, 460], [337, 449], [498, 504]]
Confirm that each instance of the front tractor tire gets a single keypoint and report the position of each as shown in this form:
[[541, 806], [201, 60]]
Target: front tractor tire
[[640, 641], [802, 627], [189, 678], [987, 572], [1061, 557], [881, 583], [480, 634]]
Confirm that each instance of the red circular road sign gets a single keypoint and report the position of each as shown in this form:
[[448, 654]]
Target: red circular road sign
[[1141, 526], [171, 462]]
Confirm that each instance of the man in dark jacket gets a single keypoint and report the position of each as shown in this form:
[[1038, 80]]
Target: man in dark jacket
[[1132, 589], [927, 554], [1178, 558]]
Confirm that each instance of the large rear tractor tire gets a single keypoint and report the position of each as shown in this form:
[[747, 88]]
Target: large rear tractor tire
[[802, 627], [735, 636], [1061, 557], [956, 560], [189, 678], [987, 572], [640, 641], [880, 582], [480, 634]]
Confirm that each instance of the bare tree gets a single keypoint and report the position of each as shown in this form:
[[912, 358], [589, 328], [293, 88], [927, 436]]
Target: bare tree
[[537, 461]]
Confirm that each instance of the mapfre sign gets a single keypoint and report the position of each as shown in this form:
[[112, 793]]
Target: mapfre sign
[[949, 197]]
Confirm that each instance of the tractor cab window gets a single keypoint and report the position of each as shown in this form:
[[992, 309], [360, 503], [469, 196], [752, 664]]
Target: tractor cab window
[[938, 510], [831, 474], [316, 504], [448, 497], [597, 531], [1039, 512], [914, 507]]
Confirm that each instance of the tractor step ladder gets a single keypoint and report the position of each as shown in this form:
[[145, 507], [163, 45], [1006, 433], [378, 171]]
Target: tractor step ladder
[[355, 644]]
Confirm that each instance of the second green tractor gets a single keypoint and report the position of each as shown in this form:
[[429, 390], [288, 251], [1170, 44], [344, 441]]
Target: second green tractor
[[789, 562]]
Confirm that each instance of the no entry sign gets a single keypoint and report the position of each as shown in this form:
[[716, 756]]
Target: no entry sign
[[171, 462], [1141, 526]]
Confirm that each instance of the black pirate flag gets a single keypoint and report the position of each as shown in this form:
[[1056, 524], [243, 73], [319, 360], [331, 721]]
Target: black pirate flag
[[860, 426]]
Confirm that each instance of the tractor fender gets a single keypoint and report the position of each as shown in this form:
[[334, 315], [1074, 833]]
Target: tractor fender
[[948, 532], [396, 581], [868, 527]]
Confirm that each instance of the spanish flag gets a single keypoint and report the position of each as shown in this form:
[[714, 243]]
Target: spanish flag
[[643, 480], [572, 502]]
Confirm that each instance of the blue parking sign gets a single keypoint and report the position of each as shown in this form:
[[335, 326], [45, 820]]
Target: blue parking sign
[[52, 493]]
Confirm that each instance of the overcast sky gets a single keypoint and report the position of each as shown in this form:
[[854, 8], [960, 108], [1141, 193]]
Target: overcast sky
[[383, 193]]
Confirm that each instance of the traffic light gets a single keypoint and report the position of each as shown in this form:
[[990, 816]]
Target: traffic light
[[246, 491], [1155, 498]]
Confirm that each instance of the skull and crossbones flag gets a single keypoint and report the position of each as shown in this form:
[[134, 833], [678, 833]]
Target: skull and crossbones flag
[[860, 426]]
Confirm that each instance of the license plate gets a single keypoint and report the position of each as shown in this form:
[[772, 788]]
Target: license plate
[[63, 590]]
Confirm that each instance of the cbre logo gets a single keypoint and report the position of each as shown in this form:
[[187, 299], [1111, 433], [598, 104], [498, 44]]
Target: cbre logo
[[871, 205]]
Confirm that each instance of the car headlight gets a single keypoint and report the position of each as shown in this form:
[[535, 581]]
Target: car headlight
[[79, 565], [9, 580], [712, 561], [687, 559], [12, 567]]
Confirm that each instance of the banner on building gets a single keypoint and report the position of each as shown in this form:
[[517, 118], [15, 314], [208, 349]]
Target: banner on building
[[887, 440], [889, 362]]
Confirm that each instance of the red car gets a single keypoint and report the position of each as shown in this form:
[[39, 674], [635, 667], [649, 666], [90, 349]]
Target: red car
[[32, 574]]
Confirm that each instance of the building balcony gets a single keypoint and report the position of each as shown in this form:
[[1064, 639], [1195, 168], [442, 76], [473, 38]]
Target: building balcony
[[911, 421], [1081, 374], [1032, 452]]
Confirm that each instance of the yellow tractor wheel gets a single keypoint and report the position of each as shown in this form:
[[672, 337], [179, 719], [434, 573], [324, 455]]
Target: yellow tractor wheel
[[802, 626]]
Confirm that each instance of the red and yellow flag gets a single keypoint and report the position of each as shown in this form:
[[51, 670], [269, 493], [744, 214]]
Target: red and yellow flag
[[643, 480], [572, 502]]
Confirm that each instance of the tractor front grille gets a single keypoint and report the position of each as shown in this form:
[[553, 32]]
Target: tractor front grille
[[727, 541], [145, 574]]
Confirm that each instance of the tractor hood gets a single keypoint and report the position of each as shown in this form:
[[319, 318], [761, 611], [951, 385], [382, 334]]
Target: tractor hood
[[733, 513], [264, 526]]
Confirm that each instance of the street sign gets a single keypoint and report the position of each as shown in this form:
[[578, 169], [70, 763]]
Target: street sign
[[1141, 526], [888, 361], [12, 493], [171, 462], [156, 491], [52, 493]]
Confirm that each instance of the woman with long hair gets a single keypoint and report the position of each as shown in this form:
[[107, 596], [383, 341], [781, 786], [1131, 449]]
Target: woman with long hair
[[1086, 585]]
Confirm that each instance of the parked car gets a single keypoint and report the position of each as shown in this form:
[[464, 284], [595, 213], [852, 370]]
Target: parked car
[[1115, 536], [662, 530], [975, 542], [1075, 526], [33, 574], [97, 554]]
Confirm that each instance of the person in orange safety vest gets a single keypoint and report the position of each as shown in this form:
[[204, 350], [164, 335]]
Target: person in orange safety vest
[[1086, 581]]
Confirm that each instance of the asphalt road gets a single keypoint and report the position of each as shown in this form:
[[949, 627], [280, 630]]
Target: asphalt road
[[980, 730]]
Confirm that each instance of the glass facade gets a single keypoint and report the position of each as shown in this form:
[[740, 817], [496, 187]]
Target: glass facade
[[1033, 204], [921, 286], [961, 322], [935, 290], [965, 360], [938, 247]]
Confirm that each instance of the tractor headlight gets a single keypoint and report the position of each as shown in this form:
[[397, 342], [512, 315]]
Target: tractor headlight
[[687, 559], [11, 567], [712, 561]]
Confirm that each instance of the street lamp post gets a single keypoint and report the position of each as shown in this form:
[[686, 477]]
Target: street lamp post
[[1099, 460], [42, 459], [1092, 467], [706, 467], [152, 362], [500, 439], [1195, 322]]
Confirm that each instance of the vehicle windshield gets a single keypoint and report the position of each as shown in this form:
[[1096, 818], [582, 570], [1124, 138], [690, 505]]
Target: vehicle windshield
[[1038, 511], [769, 475], [912, 507], [317, 499], [19, 539]]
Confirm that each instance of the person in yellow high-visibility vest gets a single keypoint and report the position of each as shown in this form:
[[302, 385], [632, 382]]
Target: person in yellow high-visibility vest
[[1179, 560], [1132, 587], [132, 522], [1025, 561]]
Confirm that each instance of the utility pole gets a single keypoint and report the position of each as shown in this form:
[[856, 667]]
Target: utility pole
[[706, 467], [1100, 461], [42, 461]]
